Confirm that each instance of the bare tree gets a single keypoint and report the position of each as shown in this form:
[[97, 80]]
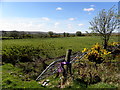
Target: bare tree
[[104, 24]]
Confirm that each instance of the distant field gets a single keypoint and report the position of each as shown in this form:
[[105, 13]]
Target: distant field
[[54, 47]]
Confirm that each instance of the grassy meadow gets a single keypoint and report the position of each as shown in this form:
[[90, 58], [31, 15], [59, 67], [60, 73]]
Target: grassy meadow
[[21, 66], [55, 47]]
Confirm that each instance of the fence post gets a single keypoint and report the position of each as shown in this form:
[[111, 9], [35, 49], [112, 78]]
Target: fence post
[[67, 67], [67, 58]]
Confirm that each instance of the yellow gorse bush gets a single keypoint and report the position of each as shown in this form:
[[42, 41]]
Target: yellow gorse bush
[[96, 53]]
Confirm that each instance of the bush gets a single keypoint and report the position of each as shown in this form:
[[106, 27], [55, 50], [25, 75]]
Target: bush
[[102, 85], [16, 54], [96, 54], [13, 77]]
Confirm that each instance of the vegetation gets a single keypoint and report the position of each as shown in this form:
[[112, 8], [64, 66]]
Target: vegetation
[[96, 54], [50, 33], [78, 33], [24, 35], [25, 59], [13, 77], [52, 46], [26, 54], [32, 49], [104, 24]]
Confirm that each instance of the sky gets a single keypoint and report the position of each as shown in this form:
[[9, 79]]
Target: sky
[[58, 17]]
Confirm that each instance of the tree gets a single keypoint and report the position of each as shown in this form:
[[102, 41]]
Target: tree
[[4, 33], [14, 34], [22, 34], [50, 33], [67, 34], [78, 33], [87, 33], [104, 24], [64, 34]]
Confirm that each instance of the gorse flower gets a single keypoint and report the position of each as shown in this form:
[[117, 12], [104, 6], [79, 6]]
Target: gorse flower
[[104, 52], [96, 47], [114, 43], [85, 50], [109, 52], [96, 53]]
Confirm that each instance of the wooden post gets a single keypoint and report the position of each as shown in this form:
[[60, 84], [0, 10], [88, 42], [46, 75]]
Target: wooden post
[[67, 58], [68, 66]]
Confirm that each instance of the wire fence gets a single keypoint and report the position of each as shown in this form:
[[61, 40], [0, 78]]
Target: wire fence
[[57, 66]]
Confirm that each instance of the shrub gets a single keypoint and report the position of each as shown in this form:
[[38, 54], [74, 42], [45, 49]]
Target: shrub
[[96, 54], [16, 54]]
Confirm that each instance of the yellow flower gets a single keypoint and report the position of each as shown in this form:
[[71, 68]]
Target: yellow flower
[[103, 50], [96, 46], [85, 50], [114, 43], [96, 51], [92, 48], [109, 52], [105, 53]]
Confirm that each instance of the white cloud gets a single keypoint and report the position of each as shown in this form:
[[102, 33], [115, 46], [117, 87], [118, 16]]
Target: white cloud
[[88, 9], [45, 18], [80, 24], [21, 24], [71, 19], [92, 5], [38, 24], [59, 9], [56, 24]]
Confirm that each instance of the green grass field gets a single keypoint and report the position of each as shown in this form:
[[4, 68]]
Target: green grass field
[[15, 76], [54, 47]]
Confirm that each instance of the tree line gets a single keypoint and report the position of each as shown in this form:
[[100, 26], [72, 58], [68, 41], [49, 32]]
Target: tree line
[[22, 34]]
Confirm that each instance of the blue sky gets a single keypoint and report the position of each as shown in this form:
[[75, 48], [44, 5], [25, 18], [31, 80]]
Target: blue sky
[[50, 16]]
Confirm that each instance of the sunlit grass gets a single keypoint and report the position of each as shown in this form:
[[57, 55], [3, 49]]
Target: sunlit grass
[[56, 46]]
